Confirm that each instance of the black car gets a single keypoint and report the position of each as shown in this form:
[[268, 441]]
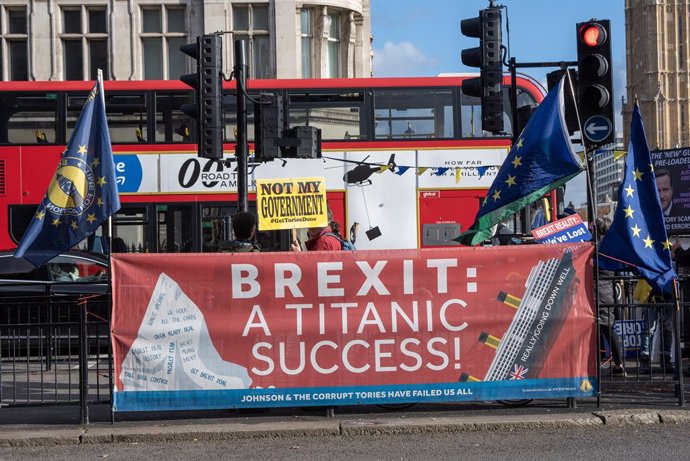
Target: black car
[[40, 307]]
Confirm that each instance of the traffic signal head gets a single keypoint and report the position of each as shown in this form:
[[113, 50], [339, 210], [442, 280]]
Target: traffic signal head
[[595, 81], [487, 56], [268, 127], [208, 85], [192, 109]]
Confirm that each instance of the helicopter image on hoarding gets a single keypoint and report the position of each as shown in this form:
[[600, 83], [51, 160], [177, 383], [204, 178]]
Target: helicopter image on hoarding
[[359, 175]]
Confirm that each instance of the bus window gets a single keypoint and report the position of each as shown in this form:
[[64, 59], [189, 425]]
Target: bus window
[[28, 118], [20, 217], [471, 113], [171, 124], [216, 227], [131, 225], [338, 115], [471, 117], [175, 229], [230, 117], [127, 119], [413, 113]]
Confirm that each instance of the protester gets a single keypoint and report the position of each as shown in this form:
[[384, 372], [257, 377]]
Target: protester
[[608, 295], [682, 258], [244, 228], [319, 238]]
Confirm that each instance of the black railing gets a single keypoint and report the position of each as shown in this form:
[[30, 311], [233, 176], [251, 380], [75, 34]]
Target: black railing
[[55, 349], [648, 329]]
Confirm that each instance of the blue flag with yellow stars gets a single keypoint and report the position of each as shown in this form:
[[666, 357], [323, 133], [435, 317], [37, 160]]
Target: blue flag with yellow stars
[[637, 236], [541, 160], [82, 193]]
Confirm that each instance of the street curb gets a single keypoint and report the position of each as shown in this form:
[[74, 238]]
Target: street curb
[[674, 416], [31, 436], [169, 433], [628, 417], [465, 424], [36, 437]]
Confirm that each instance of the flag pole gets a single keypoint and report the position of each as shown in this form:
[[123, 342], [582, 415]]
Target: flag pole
[[590, 179], [109, 241]]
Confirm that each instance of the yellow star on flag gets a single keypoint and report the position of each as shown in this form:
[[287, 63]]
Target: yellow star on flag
[[519, 144], [99, 201], [56, 222], [648, 242], [91, 217], [629, 212], [510, 181], [636, 230], [96, 162], [101, 181], [667, 244], [517, 161], [81, 150], [74, 225], [497, 195], [486, 199], [638, 174], [40, 215], [629, 191]]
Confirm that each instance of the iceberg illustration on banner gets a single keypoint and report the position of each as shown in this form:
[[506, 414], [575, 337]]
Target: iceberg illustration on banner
[[173, 350]]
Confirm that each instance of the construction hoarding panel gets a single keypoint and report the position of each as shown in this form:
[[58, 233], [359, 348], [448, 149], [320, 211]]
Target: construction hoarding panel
[[194, 331]]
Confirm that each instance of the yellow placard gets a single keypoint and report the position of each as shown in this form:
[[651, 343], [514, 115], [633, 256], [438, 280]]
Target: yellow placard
[[291, 203]]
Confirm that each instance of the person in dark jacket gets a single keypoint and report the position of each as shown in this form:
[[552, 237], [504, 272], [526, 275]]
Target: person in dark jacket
[[609, 294], [244, 228]]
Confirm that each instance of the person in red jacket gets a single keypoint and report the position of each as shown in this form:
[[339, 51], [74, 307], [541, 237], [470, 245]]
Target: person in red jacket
[[319, 240]]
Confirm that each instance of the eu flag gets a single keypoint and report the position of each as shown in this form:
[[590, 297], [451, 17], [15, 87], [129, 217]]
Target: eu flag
[[541, 160], [82, 193], [637, 236]]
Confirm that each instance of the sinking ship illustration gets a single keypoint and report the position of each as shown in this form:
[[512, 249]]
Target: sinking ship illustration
[[539, 316], [70, 189]]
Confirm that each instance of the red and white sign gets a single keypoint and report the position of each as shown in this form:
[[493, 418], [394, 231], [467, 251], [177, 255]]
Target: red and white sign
[[366, 318]]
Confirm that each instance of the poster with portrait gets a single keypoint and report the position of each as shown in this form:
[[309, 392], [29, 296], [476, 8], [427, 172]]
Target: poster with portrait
[[672, 171]]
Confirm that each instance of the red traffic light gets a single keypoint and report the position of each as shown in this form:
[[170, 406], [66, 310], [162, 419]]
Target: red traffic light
[[592, 34]]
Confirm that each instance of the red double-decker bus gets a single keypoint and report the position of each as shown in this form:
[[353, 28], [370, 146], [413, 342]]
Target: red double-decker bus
[[422, 162]]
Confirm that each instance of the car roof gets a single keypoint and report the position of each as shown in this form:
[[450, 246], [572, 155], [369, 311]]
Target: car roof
[[10, 264]]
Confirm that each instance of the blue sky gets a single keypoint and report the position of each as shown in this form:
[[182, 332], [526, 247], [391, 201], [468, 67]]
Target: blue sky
[[422, 38]]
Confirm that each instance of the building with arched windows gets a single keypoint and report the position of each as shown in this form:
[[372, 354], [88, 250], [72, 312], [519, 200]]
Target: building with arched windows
[[140, 39]]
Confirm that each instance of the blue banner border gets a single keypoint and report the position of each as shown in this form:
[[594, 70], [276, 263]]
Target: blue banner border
[[544, 388]]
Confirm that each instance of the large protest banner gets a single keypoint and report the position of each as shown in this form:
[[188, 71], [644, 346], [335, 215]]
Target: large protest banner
[[672, 173], [228, 330]]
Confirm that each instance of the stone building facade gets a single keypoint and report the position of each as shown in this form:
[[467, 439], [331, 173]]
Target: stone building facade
[[658, 69], [140, 39]]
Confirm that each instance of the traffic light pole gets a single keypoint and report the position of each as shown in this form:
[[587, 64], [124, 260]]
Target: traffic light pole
[[241, 150]]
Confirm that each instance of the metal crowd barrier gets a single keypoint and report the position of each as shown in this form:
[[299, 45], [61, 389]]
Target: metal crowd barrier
[[650, 336], [55, 349], [55, 345]]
